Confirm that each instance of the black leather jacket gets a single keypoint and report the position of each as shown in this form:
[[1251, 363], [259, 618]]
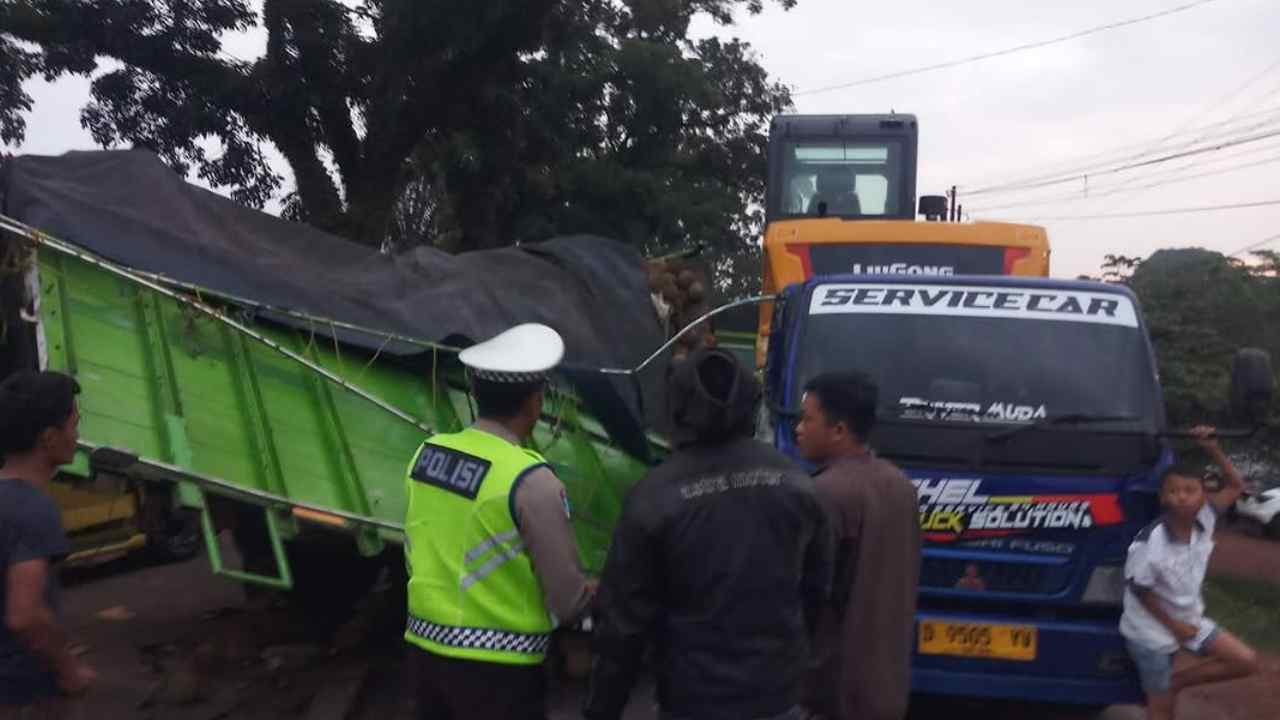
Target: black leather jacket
[[720, 562]]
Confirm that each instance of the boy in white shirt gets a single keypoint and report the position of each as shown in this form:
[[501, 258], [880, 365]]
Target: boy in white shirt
[[1163, 604]]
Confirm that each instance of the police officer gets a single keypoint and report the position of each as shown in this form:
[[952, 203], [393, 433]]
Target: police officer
[[493, 566]]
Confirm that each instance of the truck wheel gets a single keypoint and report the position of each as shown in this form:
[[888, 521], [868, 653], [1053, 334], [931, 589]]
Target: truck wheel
[[330, 577], [173, 533], [178, 537]]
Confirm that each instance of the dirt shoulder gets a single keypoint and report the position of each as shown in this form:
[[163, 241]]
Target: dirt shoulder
[[1246, 556], [143, 627], [1243, 594]]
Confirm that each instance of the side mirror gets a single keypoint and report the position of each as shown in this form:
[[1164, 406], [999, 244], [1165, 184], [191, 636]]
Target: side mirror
[[1252, 385]]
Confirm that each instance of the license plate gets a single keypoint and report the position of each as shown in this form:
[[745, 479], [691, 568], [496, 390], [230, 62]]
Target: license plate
[[984, 640]]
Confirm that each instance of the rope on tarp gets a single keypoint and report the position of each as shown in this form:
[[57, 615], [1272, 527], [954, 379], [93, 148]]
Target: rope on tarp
[[42, 239]]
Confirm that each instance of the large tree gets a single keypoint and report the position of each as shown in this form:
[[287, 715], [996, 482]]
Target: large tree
[[464, 124], [1200, 308]]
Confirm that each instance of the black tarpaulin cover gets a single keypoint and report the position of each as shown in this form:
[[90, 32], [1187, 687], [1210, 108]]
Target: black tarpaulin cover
[[129, 207]]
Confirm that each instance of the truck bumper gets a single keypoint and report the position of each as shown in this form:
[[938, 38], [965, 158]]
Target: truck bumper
[[1078, 662]]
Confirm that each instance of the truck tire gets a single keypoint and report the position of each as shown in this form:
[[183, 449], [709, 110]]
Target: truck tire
[[173, 533], [178, 538], [330, 577]]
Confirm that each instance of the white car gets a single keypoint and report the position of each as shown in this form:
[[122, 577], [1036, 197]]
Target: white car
[[1262, 507]]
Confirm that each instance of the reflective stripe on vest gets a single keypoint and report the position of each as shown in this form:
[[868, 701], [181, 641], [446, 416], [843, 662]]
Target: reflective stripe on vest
[[473, 593], [478, 639]]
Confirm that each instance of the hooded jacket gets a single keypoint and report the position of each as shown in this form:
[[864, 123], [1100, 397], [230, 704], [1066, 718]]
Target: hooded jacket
[[719, 563]]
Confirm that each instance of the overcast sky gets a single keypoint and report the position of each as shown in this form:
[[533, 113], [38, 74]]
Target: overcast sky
[[1099, 98]]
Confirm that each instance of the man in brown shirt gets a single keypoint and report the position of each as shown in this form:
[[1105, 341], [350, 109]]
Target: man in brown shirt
[[862, 650]]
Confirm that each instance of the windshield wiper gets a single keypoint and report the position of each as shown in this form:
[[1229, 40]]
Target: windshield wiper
[[1068, 419]]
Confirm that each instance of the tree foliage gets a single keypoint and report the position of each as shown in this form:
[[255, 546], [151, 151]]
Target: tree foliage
[[1119, 268], [1267, 262], [463, 124], [1201, 307]]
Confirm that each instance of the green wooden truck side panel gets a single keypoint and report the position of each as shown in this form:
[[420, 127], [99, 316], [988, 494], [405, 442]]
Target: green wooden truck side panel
[[174, 385]]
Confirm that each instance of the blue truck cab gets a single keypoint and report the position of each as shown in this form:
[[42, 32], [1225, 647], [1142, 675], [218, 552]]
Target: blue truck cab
[[1028, 413]]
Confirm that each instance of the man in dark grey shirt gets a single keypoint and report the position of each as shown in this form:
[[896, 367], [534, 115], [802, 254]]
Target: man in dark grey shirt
[[30, 531], [38, 432]]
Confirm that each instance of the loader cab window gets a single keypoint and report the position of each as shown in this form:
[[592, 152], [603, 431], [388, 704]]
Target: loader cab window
[[844, 179]]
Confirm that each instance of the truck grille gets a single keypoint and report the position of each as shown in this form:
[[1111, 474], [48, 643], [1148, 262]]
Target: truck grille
[[946, 574]]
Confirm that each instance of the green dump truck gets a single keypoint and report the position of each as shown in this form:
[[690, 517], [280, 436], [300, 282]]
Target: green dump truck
[[239, 370]]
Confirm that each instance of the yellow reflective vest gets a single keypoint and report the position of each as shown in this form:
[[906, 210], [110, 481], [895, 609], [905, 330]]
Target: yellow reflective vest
[[473, 593]]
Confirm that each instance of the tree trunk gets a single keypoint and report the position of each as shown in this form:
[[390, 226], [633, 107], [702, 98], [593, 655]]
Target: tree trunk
[[371, 201]]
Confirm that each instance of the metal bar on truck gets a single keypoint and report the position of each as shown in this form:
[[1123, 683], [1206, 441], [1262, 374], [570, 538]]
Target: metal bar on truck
[[226, 488]]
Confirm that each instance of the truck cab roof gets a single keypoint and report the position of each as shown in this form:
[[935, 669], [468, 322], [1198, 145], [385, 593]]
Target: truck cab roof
[[842, 125]]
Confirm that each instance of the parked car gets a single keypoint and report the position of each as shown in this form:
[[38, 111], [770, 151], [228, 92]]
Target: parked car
[[1262, 507]]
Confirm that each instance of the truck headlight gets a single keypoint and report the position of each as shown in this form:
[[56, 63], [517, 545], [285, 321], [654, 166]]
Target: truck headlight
[[1106, 586]]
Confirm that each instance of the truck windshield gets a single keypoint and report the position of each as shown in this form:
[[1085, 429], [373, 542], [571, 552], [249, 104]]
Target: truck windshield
[[838, 178], [977, 357]]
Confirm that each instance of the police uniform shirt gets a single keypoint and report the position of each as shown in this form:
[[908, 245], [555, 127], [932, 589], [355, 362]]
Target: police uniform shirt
[[542, 516]]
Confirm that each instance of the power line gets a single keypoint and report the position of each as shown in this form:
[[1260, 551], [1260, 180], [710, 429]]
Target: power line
[[1187, 127], [1123, 188], [1129, 160], [1222, 145], [1225, 101], [1135, 150], [1226, 158], [1254, 246], [1166, 211], [1007, 51], [1227, 138], [1220, 102]]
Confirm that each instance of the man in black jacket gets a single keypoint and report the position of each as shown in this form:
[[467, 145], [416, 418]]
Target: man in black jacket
[[721, 560]]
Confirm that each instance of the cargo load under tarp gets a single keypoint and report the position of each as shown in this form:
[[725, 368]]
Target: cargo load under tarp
[[129, 207]]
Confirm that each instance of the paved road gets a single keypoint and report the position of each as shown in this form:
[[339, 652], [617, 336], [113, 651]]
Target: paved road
[[176, 642]]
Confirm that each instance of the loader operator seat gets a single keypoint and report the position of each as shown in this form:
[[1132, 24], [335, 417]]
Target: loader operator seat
[[835, 194]]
